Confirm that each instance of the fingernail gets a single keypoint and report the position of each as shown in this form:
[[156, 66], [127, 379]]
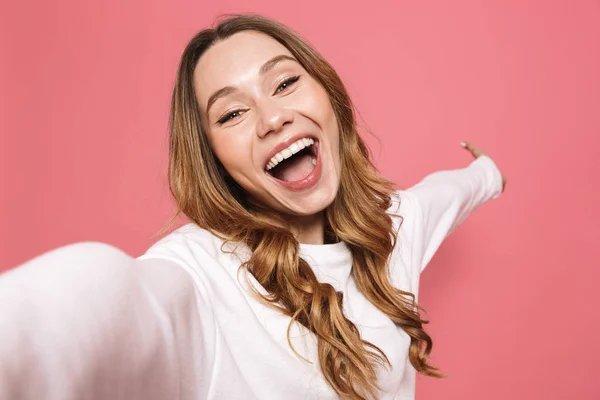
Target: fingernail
[[463, 144]]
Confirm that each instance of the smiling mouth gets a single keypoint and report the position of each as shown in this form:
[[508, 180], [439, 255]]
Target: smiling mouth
[[294, 164]]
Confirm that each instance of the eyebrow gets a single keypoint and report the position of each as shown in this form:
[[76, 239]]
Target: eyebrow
[[266, 67]]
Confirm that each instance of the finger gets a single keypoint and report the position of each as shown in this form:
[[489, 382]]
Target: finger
[[475, 152]]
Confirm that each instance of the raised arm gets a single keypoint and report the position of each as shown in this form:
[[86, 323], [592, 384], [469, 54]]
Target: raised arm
[[87, 321], [443, 200]]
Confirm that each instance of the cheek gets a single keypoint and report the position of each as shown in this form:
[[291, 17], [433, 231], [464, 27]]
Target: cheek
[[233, 152], [321, 105], [328, 120], [317, 106]]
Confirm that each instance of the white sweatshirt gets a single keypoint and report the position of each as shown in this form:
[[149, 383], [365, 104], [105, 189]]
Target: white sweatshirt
[[87, 321]]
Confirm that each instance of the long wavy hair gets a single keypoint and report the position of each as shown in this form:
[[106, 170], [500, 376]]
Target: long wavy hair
[[209, 197]]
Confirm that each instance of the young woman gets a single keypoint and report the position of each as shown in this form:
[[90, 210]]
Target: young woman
[[297, 277]]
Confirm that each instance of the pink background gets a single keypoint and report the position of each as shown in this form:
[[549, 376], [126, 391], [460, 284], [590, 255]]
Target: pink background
[[512, 296]]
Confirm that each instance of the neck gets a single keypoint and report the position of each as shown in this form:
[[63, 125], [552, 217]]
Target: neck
[[309, 229]]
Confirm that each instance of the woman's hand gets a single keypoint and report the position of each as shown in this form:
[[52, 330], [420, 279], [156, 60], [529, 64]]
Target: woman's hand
[[476, 153]]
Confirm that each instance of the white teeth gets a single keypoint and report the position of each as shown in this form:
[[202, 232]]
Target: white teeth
[[287, 153], [314, 161]]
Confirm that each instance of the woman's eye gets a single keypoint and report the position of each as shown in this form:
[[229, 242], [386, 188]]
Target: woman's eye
[[229, 116], [286, 83], [236, 113]]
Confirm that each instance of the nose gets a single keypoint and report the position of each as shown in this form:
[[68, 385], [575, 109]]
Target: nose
[[272, 117]]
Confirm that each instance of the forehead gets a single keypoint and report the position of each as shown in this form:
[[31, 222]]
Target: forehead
[[234, 61]]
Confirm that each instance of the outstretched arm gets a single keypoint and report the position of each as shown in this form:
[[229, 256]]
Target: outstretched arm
[[88, 321], [443, 200]]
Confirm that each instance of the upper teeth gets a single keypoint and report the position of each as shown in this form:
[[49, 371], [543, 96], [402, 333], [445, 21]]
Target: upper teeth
[[287, 153]]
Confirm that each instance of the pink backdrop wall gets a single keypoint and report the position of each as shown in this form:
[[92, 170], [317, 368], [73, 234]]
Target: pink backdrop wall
[[511, 296]]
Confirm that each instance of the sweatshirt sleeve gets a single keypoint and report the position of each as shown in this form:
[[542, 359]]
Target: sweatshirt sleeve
[[443, 200], [87, 321]]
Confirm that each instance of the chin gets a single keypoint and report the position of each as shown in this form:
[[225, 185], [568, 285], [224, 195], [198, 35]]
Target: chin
[[309, 204]]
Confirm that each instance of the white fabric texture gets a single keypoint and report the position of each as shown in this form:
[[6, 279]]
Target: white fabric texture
[[87, 321]]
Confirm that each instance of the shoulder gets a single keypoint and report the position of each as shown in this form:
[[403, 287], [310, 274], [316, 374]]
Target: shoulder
[[169, 284], [404, 209], [202, 254], [406, 213], [185, 245]]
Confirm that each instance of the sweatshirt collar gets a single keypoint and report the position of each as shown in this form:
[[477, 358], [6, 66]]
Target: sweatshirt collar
[[331, 263]]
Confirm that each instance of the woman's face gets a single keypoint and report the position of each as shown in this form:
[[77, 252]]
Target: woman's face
[[255, 102]]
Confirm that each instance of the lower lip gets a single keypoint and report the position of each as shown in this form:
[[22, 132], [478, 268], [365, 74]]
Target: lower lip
[[309, 181]]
